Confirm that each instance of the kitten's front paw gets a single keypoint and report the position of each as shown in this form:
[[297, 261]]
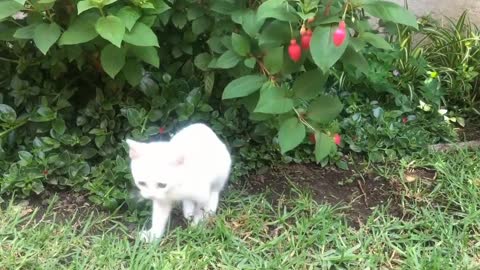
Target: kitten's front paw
[[150, 236]]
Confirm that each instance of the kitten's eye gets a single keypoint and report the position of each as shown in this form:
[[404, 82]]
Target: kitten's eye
[[143, 184], [161, 185]]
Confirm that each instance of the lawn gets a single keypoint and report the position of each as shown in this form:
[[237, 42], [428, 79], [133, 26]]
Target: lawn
[[429, 220]]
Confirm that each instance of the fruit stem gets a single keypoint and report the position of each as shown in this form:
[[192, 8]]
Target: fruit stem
[[13, 128], [101, 11], [9, 60], [300, 117], [327, 8], [345, 11]]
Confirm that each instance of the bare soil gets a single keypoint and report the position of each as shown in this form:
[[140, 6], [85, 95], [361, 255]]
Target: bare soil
[[471, 132], [357, 194]]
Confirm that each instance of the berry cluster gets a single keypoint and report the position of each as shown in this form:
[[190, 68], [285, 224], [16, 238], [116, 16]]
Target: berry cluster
[[295, 50]]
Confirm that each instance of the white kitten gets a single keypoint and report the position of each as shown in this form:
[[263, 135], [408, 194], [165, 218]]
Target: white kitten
[[193, 167]]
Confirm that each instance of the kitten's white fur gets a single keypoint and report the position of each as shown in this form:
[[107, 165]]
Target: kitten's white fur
[[193, 167]]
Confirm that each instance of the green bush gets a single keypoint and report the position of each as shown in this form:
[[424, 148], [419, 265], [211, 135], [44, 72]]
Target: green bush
[[80, 76], [454, 49]]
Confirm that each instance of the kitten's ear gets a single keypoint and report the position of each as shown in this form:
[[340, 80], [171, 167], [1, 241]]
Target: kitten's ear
[[134, 148]]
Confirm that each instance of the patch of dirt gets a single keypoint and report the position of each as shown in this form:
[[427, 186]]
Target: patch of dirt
[[471, 132], [360, 194], [75, 205], [66, 205]]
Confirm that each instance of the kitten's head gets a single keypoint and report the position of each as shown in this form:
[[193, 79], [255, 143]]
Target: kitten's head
[[155, 168]]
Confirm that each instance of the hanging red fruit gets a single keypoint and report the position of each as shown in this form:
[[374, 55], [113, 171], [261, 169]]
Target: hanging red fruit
[[294, 51], [340, 34], [306, 39], [312, 138], [337, 139]]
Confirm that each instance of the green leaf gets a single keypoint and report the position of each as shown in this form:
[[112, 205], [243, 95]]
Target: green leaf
[[129, 16], [389, 11], [112, 59], [250, 62], [274, 34], [26, 32], [251, 24], [243, 86], [273, 100], [351, 57], [25, 156], [240, 44], [375, 40], [7, 114], [278, 9], [111, 28], [310, 84], [323, 146], [135, 117], [194, 12], [9, 8], [80, 31], [200, 25], [21, 2], [37, 187], [273, 59], [100, 140], [141, 35], [43, 114], [291, 134], [133, 72], [40, 7], [46, 35], [6, 33], [150, 88], [148, 55], [84, 6], [179, 20], [209, 82], [201, 61], [324, 109], [324, 52], [159, 7], [227, 60], [59, 126]]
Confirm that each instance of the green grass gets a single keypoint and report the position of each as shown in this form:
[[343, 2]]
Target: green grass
[[441, 231]]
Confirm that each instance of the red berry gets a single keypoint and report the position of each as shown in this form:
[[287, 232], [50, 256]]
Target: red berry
[[337, 139], [306, 39], [404, 120], [294, 51], [312, 138], [161, 130], [340, 34], [45, 172]]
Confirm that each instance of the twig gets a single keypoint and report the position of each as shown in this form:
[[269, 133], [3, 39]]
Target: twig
[[363, 192]]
